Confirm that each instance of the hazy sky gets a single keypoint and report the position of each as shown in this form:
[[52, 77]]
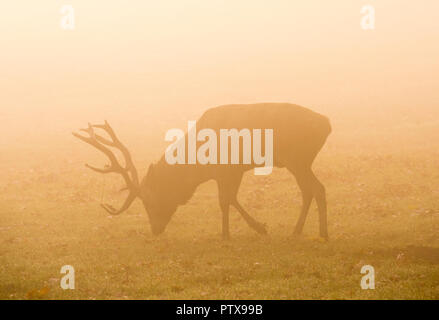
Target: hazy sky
[[193, 54]]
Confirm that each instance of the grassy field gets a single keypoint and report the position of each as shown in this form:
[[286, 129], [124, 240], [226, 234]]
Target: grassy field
[[382, 180]]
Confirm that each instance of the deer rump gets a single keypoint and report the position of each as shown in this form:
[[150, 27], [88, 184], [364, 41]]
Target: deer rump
[[298, 136]]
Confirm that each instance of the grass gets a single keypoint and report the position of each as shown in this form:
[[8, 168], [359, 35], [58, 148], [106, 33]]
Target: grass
[[382, 186]]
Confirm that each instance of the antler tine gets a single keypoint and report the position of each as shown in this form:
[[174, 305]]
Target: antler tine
[[108, 169], [89, 130], [93, 135], [125, 205], [117, 144], [99, 142], [106, 126], [115, 166]]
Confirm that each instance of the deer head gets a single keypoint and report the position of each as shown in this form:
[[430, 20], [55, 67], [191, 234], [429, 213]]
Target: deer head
[[158, 210]]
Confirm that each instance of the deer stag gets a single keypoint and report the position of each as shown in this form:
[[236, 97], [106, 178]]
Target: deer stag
[[299, 134]]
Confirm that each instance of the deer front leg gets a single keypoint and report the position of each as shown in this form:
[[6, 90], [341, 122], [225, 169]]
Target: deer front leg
[[228, 186], [257, 226], [225, 206]]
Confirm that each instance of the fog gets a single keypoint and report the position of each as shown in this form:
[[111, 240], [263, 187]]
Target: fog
[[149, 66], [153, 57]]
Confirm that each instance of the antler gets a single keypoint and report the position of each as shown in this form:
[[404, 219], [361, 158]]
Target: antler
[[129, 172]]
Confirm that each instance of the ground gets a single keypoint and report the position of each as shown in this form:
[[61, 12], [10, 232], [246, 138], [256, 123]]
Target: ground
[[382, 183]]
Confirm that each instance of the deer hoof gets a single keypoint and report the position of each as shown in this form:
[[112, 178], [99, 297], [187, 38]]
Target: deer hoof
[[261, 228], [319, 239], [296, 235], [226, 237]]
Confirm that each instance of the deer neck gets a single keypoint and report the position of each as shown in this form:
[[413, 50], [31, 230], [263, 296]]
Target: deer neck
[[178, 182]]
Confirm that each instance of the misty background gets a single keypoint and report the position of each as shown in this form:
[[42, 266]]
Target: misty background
[[149, 66]]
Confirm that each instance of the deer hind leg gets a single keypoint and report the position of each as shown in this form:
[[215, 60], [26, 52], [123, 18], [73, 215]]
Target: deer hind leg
[[304, 181], [311, 188], [224, 201], [320, 195]]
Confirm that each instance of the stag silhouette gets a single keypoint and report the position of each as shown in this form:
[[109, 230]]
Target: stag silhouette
[[299, 134]]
